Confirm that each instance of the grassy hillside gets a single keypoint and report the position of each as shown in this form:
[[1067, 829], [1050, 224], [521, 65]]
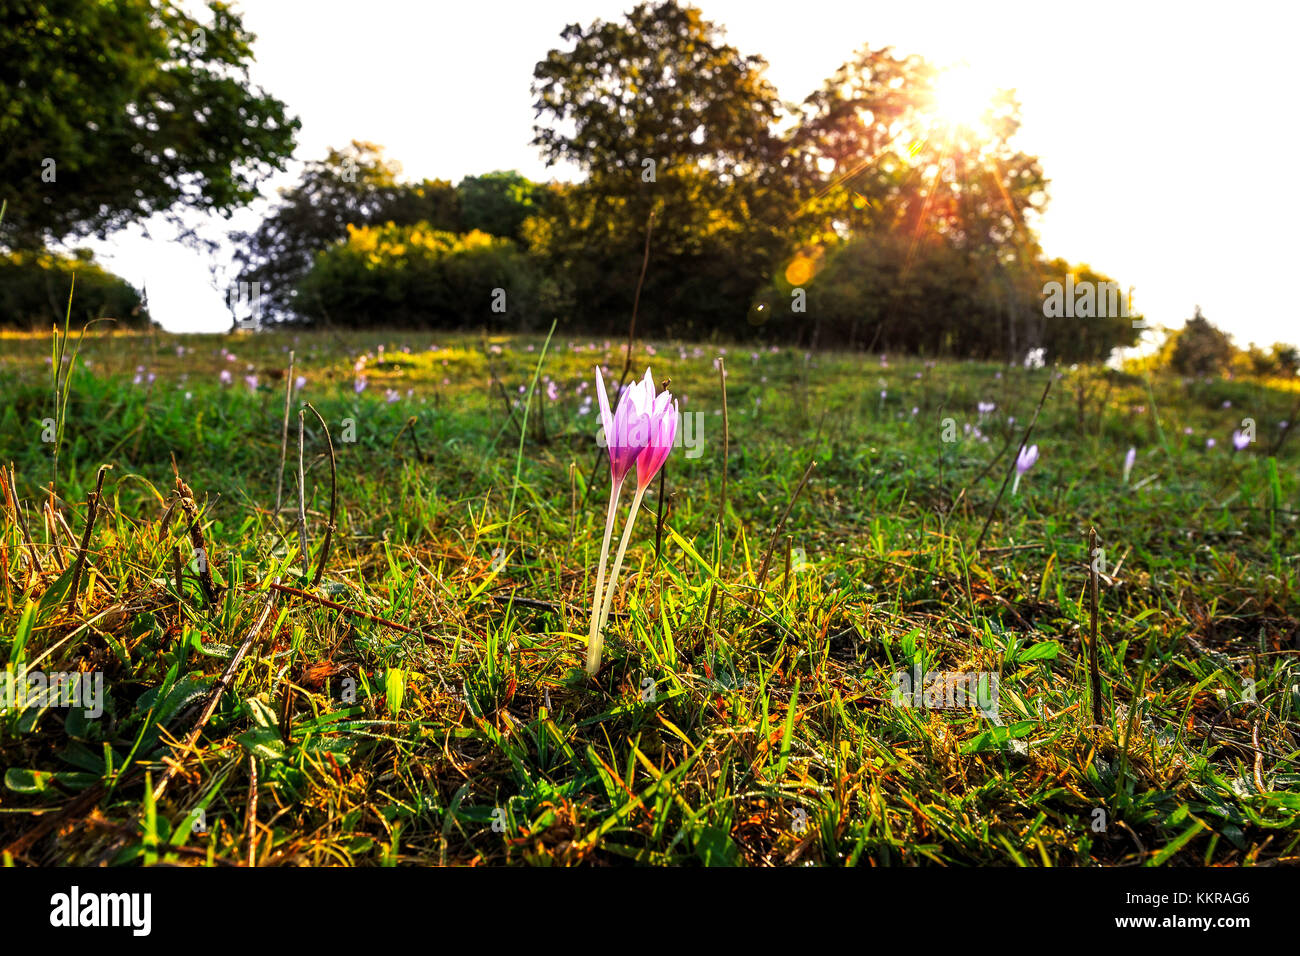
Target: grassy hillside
[[424, 700]]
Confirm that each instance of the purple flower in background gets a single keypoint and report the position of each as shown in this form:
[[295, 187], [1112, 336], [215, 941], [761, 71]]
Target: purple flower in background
[[1226, 404], [1210, 443], [552, 391], [1129, 461], [1240, 440], [1024, 461], [226, 377], [359, 385], [251, 382], [300, 383]]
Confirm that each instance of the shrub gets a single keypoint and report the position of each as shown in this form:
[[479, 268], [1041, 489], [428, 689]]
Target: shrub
[[34, 290], [420, 276]]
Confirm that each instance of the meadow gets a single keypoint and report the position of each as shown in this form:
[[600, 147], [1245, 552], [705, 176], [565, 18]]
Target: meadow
[[414, 693]]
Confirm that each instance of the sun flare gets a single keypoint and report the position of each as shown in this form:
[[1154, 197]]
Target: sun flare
[[962, 96]]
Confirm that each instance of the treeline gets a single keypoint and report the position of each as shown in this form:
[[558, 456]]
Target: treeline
[[867, 215], [863, 217]]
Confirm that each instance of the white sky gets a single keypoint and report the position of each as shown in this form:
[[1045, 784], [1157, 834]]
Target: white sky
[[1164, 128]]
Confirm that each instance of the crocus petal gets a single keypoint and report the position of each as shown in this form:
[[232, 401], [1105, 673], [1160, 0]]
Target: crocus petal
[[664, 431], [606, 419]]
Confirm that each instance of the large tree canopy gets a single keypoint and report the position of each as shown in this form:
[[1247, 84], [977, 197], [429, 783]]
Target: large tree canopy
[[871, 146], [665, 119], [113, 110], [659, 85]]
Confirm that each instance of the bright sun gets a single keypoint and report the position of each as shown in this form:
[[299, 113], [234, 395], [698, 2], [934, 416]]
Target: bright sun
[[962, 96]]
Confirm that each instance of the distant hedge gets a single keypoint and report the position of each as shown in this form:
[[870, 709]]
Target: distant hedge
[[34, 290], [419, 276]]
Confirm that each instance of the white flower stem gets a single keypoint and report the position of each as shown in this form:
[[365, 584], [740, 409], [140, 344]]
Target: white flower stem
[[593, 633], [618, 558], [1015, 485]]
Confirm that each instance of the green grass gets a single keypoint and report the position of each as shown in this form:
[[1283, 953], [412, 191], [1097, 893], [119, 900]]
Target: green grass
[[766, 735]]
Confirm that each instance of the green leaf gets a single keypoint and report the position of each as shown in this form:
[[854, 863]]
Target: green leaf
[[1042, 651], [27, 781], [395, 688], [714, 847], [262, 742]]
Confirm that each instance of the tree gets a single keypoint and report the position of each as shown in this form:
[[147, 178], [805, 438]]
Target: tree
[[664, 118], [114, 110], [1199, 348], [659, 86], [875, 153], [497, 203], [355, 186]]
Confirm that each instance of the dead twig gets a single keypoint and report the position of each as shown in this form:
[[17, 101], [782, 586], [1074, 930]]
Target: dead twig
[[1094, 665], [771, 546], [334, 488], [342, 608], [11, 496], [250, 812], [92, 508], [284, 435], [185, 497], [1007, 477], [223, 683]]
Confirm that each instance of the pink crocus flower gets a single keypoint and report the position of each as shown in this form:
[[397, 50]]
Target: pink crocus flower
[[640, 432], [1024, 461], [1240, 440], [626, 428]]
